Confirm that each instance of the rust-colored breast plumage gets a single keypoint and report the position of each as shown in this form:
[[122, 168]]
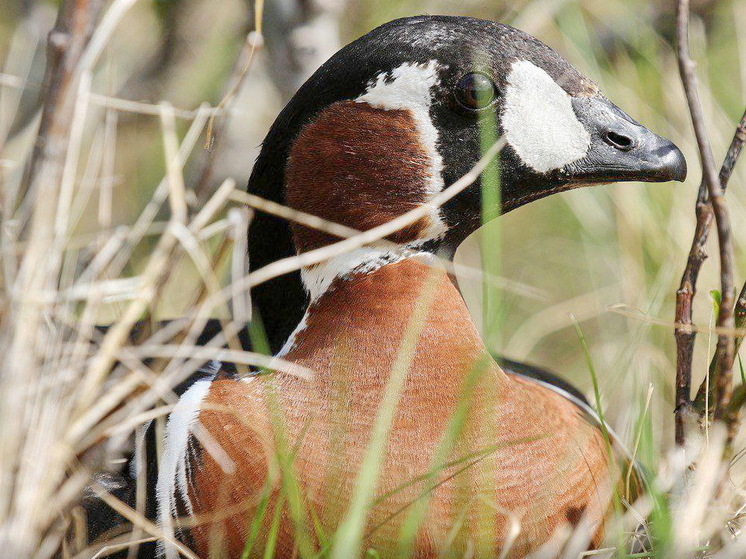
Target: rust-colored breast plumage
[[525, 454]]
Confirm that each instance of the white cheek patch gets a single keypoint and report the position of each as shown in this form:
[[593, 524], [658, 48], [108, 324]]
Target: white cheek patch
[[408, 87], [539, 122]]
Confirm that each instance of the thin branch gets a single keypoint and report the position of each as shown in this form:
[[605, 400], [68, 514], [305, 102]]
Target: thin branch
[[734, 151], [741, 314], [684, 296], [76, 21], [714, 196]]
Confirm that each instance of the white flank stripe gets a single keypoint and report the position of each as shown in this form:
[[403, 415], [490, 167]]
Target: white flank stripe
[[172, 473]]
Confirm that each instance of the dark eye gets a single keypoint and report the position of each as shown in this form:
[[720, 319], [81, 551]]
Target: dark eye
[[475, 91]]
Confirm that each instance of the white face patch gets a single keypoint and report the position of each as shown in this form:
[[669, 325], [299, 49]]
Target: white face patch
[[539, 122]]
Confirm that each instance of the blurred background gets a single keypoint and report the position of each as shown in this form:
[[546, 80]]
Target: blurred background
[[610, 257]]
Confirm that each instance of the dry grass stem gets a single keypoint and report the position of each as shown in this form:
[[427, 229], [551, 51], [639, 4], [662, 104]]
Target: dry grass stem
[[710, 204]]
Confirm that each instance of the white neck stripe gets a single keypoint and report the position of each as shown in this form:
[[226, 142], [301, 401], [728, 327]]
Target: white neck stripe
[[319, 278]]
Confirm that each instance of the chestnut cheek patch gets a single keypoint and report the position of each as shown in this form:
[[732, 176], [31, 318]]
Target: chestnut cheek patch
[[408, 87]]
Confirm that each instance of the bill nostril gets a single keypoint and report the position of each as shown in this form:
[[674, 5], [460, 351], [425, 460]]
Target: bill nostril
[[619, 141]]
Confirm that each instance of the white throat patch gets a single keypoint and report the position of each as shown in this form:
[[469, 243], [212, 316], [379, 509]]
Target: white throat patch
[[539, 122]]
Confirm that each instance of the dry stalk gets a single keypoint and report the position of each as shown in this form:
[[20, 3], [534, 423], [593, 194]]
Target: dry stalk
[[734, 151], [151, 278], [22, 526], [76, 21], [215, 134], [711, 194], [52, 363], [254, 41]]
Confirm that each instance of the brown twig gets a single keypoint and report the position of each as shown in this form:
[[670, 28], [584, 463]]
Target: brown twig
[[684, 297], [741, 306], [76, 21], [734, 151], [713, 196]]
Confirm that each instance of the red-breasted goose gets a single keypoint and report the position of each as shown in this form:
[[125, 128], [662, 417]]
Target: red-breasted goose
[[381, 128]]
